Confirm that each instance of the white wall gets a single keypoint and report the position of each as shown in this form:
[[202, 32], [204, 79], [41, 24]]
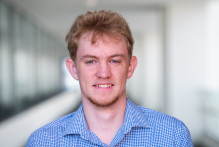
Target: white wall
[[145, 87], [212, 54], [185, 63]]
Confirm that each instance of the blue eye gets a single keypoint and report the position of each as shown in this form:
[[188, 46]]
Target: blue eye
[[115, 61], [90, 62]]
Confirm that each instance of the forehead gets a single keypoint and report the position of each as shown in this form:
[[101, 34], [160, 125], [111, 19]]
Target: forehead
[[90, 42], [95, 37]]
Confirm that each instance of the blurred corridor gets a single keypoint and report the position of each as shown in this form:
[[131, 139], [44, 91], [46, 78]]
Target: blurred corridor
[[176, 43]]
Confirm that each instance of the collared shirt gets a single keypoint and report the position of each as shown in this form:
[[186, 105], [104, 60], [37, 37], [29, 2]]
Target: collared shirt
[[142, 127]]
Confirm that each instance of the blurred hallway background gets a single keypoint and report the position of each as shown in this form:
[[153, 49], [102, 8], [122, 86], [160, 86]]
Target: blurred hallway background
[[176, 43]]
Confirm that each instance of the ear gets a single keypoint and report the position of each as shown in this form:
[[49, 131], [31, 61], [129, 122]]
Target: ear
[[71, 66], [132, 66]]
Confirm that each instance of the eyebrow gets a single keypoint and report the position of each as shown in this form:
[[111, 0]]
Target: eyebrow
[[95, 57], [87, 56], [118, 55]]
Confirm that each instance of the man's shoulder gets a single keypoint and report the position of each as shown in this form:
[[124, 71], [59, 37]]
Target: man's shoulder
[[161, 119], [50, 130], [166, 129], [60, 122]]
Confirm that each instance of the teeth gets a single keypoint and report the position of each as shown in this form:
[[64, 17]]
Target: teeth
[[104, 86]]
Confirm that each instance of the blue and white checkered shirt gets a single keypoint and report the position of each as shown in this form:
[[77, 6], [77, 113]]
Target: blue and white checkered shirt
[[142, 127]]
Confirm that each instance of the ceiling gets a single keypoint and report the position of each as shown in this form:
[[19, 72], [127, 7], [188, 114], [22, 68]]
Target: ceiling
[[56, 16]]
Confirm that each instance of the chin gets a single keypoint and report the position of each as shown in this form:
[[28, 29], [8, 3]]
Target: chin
[[99, 103]]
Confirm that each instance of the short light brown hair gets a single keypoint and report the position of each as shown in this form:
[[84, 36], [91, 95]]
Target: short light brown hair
[[100, 23]]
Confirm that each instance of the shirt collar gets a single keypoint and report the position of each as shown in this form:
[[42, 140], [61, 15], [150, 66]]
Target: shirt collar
[[77, 124], [134, 117]]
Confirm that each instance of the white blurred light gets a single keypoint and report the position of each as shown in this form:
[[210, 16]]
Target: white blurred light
[[90, 3]]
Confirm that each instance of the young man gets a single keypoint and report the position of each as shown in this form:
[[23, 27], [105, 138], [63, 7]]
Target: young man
[[100, 46]]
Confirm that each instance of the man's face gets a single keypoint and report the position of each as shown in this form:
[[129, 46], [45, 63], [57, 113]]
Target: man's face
[[102, 69]]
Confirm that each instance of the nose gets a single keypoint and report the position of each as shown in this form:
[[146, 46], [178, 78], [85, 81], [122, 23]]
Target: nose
[[104, 70]]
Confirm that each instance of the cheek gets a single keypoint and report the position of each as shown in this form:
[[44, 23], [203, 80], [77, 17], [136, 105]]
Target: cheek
[[121, 74], [86, 75]]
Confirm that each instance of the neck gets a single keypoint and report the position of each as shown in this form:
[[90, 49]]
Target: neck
[[105, 121]]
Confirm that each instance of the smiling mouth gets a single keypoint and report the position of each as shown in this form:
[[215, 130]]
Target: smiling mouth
[[103, 85]]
